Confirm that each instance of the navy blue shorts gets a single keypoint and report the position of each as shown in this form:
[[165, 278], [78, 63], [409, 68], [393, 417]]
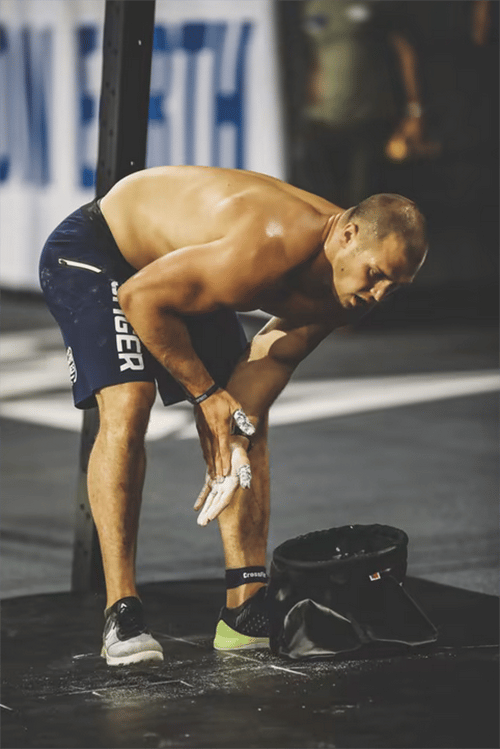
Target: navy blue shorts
[[81, 269]]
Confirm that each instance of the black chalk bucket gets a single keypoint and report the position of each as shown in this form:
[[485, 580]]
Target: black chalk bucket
[[338, 590]]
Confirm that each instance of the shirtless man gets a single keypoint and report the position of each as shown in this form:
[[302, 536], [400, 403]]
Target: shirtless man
[[145, 285]]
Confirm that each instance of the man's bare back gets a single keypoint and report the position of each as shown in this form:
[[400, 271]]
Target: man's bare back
[[258, 234]]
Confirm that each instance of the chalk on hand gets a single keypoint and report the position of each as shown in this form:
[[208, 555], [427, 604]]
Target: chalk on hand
[[218, 493], [218, 499], [243, 423], [245, 476]]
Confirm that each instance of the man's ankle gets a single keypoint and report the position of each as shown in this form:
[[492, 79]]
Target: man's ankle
[[111, 600], [237, 596]]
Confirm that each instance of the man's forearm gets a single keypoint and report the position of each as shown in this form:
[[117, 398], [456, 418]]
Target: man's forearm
[[256, 383], [166, 337], [268, 364], [270, 361]]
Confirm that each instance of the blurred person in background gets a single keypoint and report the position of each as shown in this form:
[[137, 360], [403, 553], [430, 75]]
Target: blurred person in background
[[364, 99]]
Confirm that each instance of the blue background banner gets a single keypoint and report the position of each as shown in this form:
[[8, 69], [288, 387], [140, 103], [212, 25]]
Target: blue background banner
[[214, 101]]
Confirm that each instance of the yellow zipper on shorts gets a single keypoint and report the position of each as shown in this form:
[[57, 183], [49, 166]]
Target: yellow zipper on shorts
[[78, 264]]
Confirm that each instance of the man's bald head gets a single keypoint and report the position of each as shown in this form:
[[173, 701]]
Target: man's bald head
[[385, 213]]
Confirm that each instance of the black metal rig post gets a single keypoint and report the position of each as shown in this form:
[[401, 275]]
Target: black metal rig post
[[123, 122]]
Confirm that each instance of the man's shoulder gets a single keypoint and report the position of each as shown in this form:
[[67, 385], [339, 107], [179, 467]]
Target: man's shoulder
[[269, 216]]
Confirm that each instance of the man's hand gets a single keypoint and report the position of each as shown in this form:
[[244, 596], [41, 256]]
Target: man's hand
[[217, 418], [408, 142], [218, 493]]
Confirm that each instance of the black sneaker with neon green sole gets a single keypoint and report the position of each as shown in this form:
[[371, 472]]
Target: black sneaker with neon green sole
[[245, 627]]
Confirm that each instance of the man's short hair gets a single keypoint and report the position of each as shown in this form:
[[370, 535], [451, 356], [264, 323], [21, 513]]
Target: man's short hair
[[385, 213]]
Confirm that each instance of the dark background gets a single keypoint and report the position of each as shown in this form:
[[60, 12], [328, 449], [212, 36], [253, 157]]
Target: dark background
[[456, 190]]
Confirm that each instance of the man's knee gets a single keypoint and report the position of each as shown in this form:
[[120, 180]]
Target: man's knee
[[124, 410]]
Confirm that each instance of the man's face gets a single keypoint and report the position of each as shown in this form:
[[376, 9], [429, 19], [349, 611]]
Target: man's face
[[367, 271]]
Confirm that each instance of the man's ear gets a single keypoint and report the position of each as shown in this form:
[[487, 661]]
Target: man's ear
[[349, 232]]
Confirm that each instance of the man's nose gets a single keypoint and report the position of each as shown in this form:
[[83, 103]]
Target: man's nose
[[381, 290]]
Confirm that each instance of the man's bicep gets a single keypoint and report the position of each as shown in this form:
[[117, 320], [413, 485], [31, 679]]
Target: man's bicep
[[182, 281]]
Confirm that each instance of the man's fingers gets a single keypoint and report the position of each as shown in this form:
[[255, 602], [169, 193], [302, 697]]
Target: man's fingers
[[243, 423], [245, 477], [218, 499], [207, 486], [220, 473], [240, 466], [205, 440], [202, 518], [217, 419], [222, 455], [208, 454], [225, 456], [217, 495]]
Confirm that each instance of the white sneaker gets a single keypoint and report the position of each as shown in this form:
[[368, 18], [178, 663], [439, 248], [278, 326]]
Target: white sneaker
[[126, 638]]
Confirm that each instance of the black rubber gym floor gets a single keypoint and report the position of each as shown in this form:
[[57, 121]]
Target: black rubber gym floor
[[426, 466], [58, 691]]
